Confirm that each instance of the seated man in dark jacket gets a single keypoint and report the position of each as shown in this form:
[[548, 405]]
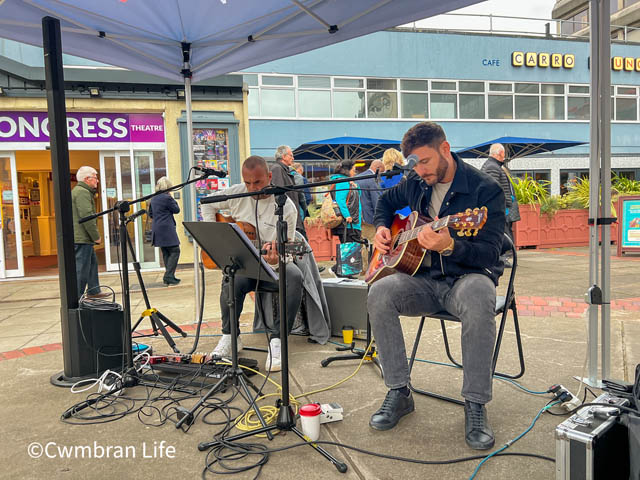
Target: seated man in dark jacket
[[458, 274]]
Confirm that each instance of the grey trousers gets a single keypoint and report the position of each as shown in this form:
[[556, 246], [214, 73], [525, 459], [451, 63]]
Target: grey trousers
[[245, 285], [472, 299], [86, 269]]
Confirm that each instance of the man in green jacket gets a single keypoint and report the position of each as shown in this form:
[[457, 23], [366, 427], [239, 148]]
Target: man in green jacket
[[86, 235]]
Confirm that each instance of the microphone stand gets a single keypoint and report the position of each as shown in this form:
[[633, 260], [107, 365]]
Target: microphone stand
[[286, 420], [122, 207]]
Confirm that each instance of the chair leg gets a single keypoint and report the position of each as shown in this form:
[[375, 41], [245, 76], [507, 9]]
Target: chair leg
[[516, 326], [446, 344], [415, 345], [496, 351], [412, 359]]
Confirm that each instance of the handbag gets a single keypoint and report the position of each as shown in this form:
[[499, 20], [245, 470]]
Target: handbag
[[514, 211], [348, 257], [330, 215]]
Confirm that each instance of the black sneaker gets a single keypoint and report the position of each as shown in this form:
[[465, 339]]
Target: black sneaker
[[477, 431], [395, 406]]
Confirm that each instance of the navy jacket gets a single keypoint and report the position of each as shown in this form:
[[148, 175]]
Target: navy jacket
[[470, 188], [163, 229], [370, 193]]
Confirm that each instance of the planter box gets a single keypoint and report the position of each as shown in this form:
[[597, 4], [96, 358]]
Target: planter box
[[321, 241], [567, 228]]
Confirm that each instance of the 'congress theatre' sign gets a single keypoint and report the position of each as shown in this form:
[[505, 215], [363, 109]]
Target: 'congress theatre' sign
[[84, 127]]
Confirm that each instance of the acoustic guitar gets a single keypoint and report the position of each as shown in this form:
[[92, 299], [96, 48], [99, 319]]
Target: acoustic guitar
[[406, 253], [291, 248]]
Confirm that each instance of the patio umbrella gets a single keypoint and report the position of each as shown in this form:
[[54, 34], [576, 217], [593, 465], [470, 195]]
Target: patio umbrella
[[516, 147], [343, 148]]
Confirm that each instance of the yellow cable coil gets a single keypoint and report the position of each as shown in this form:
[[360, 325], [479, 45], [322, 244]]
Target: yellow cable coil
[[249, 421]]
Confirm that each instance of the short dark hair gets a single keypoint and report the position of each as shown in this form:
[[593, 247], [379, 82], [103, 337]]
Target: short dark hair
[[422, 134], [255, 161], [344, 167]]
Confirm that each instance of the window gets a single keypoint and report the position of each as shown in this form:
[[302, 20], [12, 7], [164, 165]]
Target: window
[[570, 177], [314, 97], [540, 176], [254, 102], [500, 106], [552, 101], [443, 105], [277, 103], [348, 104], [625, 104], [527, 106], [314, 103], [578, 103], [348, 82], [414, 100], [382, 104], [415, 105]]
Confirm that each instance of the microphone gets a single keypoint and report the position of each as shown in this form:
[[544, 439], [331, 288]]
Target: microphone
[[209, 172], [411, 162], [139, 213]]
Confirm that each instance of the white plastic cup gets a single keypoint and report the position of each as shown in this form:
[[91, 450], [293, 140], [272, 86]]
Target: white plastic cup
[[310, 419]]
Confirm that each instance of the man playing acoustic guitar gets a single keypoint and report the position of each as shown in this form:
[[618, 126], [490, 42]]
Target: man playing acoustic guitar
[[457, 274], [256, 176]]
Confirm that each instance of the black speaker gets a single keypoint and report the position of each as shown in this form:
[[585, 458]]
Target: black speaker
[[92, 342], [347, 301]]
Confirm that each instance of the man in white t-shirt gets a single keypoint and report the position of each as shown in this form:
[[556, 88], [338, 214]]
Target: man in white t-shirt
[[256, 176]]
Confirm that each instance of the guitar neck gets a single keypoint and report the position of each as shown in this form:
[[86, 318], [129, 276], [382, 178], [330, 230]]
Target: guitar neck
[[412, 234]]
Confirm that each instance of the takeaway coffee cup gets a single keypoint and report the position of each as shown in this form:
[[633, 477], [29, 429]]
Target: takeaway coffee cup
[[310, 419]]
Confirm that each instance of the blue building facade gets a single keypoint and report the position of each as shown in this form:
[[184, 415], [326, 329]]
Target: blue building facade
[[479, 87]]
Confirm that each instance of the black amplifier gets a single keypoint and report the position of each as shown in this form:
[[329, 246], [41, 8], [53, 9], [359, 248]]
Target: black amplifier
[[592, 444], [347, 301]]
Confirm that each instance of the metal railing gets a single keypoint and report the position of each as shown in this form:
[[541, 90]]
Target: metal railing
[[504, 25]]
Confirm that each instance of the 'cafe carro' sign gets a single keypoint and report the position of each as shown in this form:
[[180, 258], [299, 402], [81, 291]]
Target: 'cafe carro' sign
[[84, 127]]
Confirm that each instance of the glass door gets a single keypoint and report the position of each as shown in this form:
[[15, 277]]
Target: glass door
[[124, 178], [11, 259]]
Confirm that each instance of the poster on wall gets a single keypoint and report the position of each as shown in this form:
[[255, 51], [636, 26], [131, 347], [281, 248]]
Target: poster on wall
[[210, 150], [629, 218]]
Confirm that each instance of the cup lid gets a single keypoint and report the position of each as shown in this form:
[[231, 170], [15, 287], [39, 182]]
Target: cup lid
[[310, 410]]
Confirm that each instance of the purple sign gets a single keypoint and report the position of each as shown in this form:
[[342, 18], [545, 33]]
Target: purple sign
[[83, 127]]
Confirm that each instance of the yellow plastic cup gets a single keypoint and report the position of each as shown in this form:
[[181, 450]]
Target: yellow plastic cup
[[347, 335]]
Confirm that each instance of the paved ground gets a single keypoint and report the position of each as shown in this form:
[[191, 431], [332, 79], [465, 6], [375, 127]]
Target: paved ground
[[550, 287]]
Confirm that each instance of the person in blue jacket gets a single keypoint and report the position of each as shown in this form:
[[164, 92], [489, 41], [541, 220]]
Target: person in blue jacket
[[163, 230], [347, 196]]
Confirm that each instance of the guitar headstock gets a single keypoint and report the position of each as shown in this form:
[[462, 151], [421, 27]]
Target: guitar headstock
[[468, 222]]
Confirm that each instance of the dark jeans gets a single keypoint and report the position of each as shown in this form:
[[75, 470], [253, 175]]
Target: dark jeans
[[170, 256], [86, 268], [472, 299], [245, 285]]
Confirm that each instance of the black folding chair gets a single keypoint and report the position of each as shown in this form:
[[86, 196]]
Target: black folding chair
[[503, 305]]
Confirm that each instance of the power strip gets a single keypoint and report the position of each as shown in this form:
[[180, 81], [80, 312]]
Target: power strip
[[331, 412]]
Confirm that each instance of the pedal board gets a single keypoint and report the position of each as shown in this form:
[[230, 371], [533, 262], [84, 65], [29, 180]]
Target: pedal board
[[208, 370]]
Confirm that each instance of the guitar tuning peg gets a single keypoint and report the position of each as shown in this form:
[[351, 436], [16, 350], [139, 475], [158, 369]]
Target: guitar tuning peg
[[467, 233], [475, 210], [460, 233], [468, 211], [475, 232]]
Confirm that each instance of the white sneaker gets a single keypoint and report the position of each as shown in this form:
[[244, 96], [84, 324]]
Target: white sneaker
[[273, 356], [223, 349]]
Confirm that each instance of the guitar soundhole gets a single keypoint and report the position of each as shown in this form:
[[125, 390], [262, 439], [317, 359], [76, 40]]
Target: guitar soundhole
[[395, 243]]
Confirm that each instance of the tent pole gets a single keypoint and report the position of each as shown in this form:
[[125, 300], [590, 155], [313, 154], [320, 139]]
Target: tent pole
[[192, 190], [599, 174], [605, 183]]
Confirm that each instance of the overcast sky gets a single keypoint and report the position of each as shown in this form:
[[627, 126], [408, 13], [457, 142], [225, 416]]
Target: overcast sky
[[540, 9]]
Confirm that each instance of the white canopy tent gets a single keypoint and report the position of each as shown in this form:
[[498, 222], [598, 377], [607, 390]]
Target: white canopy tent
[[193, 40], [196, 39]]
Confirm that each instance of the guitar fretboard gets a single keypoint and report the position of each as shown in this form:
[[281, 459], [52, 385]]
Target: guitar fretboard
[[436, 225]]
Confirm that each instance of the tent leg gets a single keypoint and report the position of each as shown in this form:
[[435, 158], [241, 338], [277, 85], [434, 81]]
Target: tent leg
[[194, 208], [600, 204]]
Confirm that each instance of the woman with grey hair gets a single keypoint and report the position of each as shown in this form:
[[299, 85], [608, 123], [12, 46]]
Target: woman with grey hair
[[163, 229]]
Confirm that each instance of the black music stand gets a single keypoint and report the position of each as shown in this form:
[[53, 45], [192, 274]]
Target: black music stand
[[286, 420], [235, 254]]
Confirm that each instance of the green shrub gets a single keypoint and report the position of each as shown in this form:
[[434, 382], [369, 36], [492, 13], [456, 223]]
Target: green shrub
[[529, 192]]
